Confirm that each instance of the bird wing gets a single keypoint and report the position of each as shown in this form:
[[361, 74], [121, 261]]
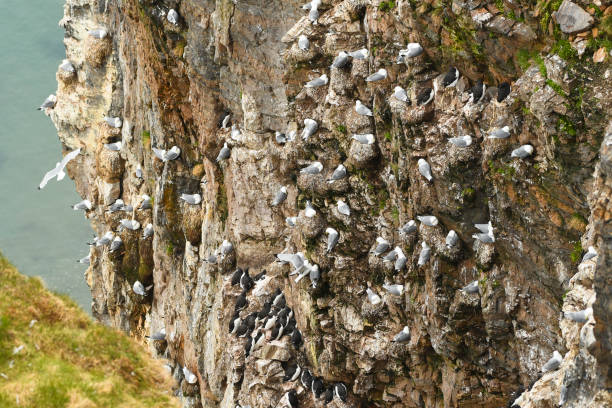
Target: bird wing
[[159, 153]]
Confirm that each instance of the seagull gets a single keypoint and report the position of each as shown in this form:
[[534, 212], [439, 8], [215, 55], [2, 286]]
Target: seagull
[[189, 376], [501, 133], [341, 60], [315, 276], [146, 202], [85, 260], [291, 221], [451, 239], [116, 244], [303, 43], [309, 211], [296, 260], [148, 231], [224, 153], [461, 141], [226, 247], [280, 137], [553, 363], [359, 54], [477, 92], [82, 205], [408, 228], [400, 260], [193, 199], [98, 34], [317, 82], [280, 197], [132, 225], [314, 168], [377, 76], [332, 238], [451, 78], [58, 170], [235, 133], [412, 50], [343, 208], [173, 17], [310, 127], [67, 66], [591, 253], [373, 298], [158, 336], [139, 172], [104, 240], [403, 336], [523, 151], [425, 169], [48, 103], [362, 109], [425, 97], [471, 287], [580, 316], [366, 139], [339, 173], [381, 246], [396, 290], [424, 255], [167, 155], [486, 236], [400, 94], [114, 122], [503, 90], [390, 257], [113, 147], [225, 121], [118, 205]]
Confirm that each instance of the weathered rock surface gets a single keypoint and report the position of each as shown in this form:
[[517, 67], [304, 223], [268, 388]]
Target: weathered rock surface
[[173, 84]]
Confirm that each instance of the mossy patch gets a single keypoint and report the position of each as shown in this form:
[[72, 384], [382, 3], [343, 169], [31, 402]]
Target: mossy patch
[[385, 6], [576, 253]]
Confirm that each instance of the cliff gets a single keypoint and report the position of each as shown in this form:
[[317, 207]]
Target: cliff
[[173, 80]]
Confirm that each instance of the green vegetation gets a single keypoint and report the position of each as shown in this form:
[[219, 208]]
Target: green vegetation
[[67, 360], [468, 193], [385, 6], [395, 214], [576, 253], [146, 139], [388, 136], [564, 49], [566, 126], [169, 249], [556, 87], [341, 129]]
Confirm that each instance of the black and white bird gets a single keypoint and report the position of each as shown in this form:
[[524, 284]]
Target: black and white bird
[[317, 387], [477, 92], [234, 322], [296, 338], [338, 174], [241, 302], [236, 276], [340, 391], [306, 378], [292, 372], [246, 282], [425, 97], [451, 78], [328, 395], [292, 398], [503, 90], [280, 197]]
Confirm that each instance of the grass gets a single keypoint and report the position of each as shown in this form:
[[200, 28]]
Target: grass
[[341, 129], [67, 359], [385, 6], [576, 254]]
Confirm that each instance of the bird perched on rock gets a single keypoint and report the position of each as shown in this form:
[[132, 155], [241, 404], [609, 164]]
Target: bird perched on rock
[[360, 54], [82, 205], [115, 244], [113, 121], [361, 109], [522, 152], [139, 172], [340, 391], [86, 260], [339, 173], [408, 228], [246, 282], [303, 43], [461, 141], [429, 220], [224, 153], [131, 225], [412, 50], [313, 14], [148, 231], [500, 133], [400, 94], [328, 395], [366, 139], [590, 254], [98, 33], [425, 97], [166, 155], [391, 256], [425, 254], [400, 259], [381, 246], [317, 82], [477, 92], [292, 398], [580, 316], [471, 287], [486, 233], [291, 221], [280, 197], [104, 240], [225, 121], [317, 387], [451, 239], [67, 66], [193, 199], [306, 378], [396, 290], [236, 276], [379, 75], [425, 169], [341, 60], [158, 336], [403, 336], [114, 147], [310, 127], [241, 302], [296, 338], [373, 298], [309, 211], [226, 247], [235, 134], [343, 208], [503, 90], [313, 168], [173, 17], [332, 238], [146, 202], [451, 77], [554, 362], [48, 103], [292, 372], [139, 288], [189, 376]]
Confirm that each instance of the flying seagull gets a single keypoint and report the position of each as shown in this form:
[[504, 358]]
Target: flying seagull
[[58, 170]]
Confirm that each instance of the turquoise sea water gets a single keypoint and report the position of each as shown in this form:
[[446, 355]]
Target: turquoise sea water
[[39, 232]]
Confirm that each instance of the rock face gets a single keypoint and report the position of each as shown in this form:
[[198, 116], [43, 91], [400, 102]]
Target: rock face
[[174, 83], [571, 18]]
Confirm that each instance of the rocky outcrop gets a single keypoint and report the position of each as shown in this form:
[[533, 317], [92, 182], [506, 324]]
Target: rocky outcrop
[[173, 83]]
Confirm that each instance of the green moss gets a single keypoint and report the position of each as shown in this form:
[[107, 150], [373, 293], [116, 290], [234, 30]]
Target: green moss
[[523, 57], [564, 125], [388, 136], [541, 66], [341, 129], [468, 193], [576, 253], [564, 49], [556, 87], [169, 249], [146, 139], [385, 6], [495, 284], [395, 214]]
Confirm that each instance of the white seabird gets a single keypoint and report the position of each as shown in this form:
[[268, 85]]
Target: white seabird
[[303, 43], [313, 168], [500, 133], [359, 54], [189, 376], [173, 16], [309, 211], [343, 208], [132, 225], [332, 238], [373, 298], [146, 202], [377, 76], [408, 228], [425, 169], [116, 244], [67, 66], [381, 246], [148, 231], [193, 199], [341, 60], [366, 139], [167, 155], [280, 197], [486, 233], [429, 220], [48, 103], [310, 127], [98, 33], [400, 94], [82, 205], [85, 260], [451, 239], [339, 173], [291, 221], [139, 172], [461, 141], [400, 260], [590, 254], [579, 316], [424, 255], [58, 170], [412, 50], [113, 121], [235, 134], [553, 363], [403, 336], [471, 287], [224, 153], [317, 82], [361, 109], [114, 147], [396, 290], [522, 152]]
